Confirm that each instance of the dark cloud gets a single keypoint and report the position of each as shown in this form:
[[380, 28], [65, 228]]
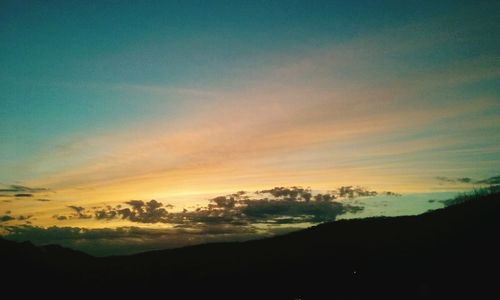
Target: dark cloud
[[279, 205], [77, 209], [454, 179], [145, 212], [139, 211], [282, 206], [293, 193], [19, 189], [104, 214], [444, 179], [23, 218], [43, 200], [354, 192], [298, 193], [23, 195], [322, 209], [6, 218], [80, 212], [237, 216], [488, 181], [240, 212], [224, 202]]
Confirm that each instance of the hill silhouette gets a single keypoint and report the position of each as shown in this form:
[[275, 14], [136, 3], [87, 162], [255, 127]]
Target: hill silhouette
[[447, 253]]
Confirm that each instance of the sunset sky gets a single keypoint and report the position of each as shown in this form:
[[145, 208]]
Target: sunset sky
[[104, 102]]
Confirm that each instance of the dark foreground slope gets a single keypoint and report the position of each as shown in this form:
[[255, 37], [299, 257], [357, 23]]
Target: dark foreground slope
[[448, 253]]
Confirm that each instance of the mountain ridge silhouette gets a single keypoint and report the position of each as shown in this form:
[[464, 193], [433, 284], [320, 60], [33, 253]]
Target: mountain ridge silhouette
[[445, 253]]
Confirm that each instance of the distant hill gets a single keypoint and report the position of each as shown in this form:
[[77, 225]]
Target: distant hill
[[444, 254]]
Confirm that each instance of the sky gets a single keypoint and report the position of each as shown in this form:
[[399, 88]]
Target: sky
[[103, 103]]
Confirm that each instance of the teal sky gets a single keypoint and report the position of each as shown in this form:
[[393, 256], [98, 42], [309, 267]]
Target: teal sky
[[102, 102]]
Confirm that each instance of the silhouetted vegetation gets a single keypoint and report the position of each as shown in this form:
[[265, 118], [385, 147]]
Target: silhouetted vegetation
[[475, 194]]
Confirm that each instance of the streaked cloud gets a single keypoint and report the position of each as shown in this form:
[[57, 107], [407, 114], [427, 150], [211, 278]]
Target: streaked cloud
[[408, 107], [467, 180], [455, 180], [19, 188]]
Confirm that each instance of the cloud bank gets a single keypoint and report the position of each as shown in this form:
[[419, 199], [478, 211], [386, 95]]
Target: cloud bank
[[279, 205], [238, 216]]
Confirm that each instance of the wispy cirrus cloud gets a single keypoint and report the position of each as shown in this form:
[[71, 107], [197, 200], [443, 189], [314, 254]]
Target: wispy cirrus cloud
[[375, 109], [329, 95]]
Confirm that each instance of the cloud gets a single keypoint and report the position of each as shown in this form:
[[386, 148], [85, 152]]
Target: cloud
[[237, 216], [139, 211], [455, 179], [43, 200], [445, 179], [293, 193], [288, 212], [103, 214], [23, 195], [20, 191], [356, 191], [146, 212], [279, 205], [79, 213], [383, 70], [20, 188], [490, 181], [78, 209], [6, 218]]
